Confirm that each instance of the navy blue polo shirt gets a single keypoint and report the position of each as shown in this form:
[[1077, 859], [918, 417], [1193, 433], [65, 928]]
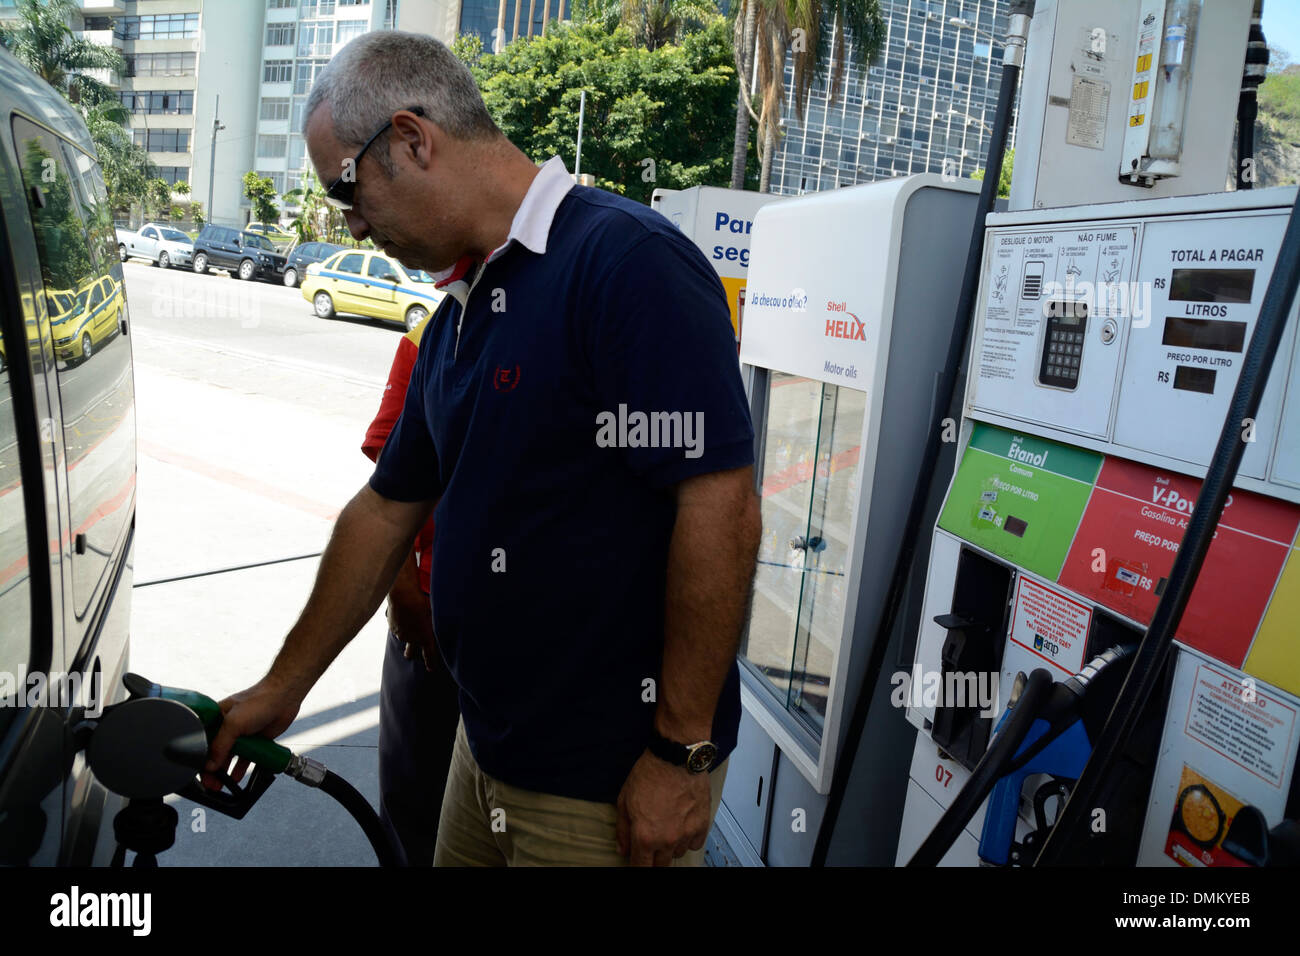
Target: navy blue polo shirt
[[583, 385]]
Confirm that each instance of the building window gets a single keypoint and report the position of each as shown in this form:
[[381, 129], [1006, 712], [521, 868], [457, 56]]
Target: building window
[[159, 64], [277, 179], [91, 23], [162, 26], [349, 30], [281, 4], [354, 3], [279, 34], [174, 174], [297, 152], [316, 8], [158, 101], [277, 71], [162, 140], [275, 108], [299, 104], [306, 75], [316, 39], [272, 146]]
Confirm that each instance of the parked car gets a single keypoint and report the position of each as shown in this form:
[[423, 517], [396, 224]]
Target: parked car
[[301, 256], [248, 255], [371, 284], [162, 245], [272, 231], [68, 457]]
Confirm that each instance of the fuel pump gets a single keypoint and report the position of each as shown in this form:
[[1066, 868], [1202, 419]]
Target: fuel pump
[[1128, 478]]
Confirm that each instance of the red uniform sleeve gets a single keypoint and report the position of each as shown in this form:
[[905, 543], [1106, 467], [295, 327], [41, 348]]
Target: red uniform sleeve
[[390, 407]]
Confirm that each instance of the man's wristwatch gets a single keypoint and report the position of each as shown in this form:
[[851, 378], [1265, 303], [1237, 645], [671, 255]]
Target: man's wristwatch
[[696, 758]]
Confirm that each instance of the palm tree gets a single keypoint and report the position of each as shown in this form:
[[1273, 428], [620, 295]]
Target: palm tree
[[310, 200], [773, 29], [126, 165], [42, 40], [652, 23]]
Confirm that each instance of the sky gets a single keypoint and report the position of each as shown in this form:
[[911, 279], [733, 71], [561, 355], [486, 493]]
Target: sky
[[1282, 25]]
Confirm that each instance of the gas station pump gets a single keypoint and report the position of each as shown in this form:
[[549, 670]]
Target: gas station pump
[[1108, 341], [1113, 310]]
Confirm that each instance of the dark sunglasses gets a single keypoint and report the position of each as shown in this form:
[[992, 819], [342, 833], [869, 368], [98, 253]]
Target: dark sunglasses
[[340, 192]]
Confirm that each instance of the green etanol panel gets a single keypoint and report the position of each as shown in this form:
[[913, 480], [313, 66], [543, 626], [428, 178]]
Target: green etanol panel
[[1020, 497]]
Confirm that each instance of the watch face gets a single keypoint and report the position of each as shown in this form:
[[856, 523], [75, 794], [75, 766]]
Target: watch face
[[701, 758]]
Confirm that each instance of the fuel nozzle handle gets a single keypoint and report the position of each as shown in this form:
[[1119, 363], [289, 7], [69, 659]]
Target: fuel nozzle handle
[[262, 751]]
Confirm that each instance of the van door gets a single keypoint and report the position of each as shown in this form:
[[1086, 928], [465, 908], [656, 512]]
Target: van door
[[31, 737], [74, 247]]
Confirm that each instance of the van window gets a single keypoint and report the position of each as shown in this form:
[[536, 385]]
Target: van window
[[77, 248], [15, 576]]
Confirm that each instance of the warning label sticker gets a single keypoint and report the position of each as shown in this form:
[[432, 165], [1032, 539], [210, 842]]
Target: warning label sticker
[[1089, 106], [1239, 721], [1050, 625]]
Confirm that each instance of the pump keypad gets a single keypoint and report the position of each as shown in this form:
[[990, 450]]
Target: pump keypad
[[1062, 346]]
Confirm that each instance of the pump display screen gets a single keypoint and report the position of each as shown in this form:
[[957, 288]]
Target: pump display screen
[[1212, 285], [1215, 335]]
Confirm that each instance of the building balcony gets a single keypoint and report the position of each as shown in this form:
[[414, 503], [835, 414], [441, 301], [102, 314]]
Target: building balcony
[[102, 7]]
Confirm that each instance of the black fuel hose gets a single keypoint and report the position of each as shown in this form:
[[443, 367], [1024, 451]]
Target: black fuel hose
[[991, 768], [361, 810], [947, 387], [1153, 651]]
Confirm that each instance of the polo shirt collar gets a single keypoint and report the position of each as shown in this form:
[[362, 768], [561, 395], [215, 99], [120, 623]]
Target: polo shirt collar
[[530, 227]]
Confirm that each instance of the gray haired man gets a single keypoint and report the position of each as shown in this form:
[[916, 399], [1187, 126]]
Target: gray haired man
[[588, 595]]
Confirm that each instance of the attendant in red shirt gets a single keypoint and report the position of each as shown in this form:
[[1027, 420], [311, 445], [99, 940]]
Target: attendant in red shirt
[[418, 705]]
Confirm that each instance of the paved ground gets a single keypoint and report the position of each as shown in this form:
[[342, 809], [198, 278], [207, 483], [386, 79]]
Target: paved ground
[[251, 413]]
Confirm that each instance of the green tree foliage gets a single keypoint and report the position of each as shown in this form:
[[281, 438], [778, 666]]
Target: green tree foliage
[[316, 220], [1004, 180], [654, 118], [260, 191], [652, 23], [41, 39], [126, 166]]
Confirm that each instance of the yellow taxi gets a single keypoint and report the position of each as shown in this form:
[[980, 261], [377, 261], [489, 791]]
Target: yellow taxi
[[81, 322], [363, 282]]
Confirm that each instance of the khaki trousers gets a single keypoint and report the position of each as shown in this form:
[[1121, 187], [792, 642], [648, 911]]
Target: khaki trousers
[[531, 828]]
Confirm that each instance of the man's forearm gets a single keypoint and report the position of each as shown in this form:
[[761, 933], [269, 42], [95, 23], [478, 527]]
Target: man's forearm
[[711, 560], [371, 539]]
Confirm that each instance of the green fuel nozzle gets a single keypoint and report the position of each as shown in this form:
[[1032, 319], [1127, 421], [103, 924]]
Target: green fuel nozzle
[[258, 750], [176, 738]]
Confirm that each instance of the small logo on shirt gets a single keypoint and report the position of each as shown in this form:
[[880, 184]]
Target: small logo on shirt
[[505, 379]]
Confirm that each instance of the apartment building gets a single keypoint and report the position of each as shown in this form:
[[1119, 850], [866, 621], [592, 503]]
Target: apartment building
[[215, 88], [925, 105]]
